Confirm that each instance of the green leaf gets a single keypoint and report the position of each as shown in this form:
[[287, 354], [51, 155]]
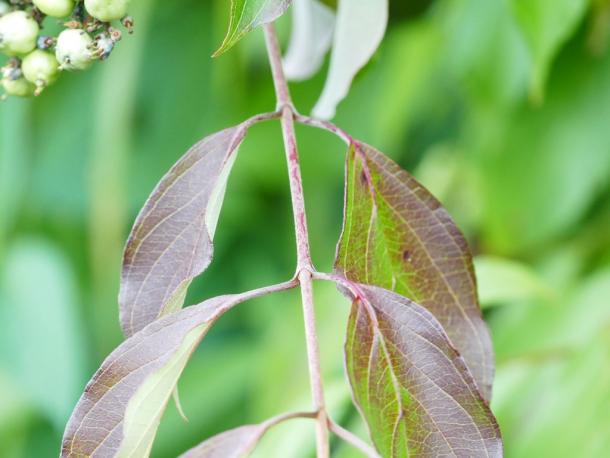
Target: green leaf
[[171, 241], [41, 345], [312, 33], [413, 388], [538, 392], [557, 327], [486, 49], [503, 280], [534, 159], [581, 394], [397, 236], [359, 30], [246, 15], [235, 443], [547, 25], [120, 410], [14, 151]]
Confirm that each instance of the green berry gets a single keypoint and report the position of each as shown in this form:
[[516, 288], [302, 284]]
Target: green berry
[[19, 87], [55, 8], [107, 10], [40, 68], [18, 33], [73, 49]]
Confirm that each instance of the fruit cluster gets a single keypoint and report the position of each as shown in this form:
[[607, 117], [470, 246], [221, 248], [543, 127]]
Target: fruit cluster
[[35, 60]]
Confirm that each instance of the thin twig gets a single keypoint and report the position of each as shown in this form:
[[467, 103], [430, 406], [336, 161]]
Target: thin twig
[[348, 139], [289, 416], [261, 118], [354, 289], [313, 357], [292, 156], [325, 125], [304, 264], [352, 439]]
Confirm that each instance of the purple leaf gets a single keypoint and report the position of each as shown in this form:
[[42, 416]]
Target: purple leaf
[[413, 388], [238, 442], [171, 241], [397, 236], [122, 405]]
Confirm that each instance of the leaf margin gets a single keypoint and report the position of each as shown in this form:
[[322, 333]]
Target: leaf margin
[[235, 33], [199, 319], [369, 157], [361, 300]]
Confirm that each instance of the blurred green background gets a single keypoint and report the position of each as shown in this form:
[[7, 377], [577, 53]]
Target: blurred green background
[[501, 107]]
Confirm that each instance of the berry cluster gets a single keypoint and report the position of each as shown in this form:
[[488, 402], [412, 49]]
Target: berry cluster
[[35, 60]]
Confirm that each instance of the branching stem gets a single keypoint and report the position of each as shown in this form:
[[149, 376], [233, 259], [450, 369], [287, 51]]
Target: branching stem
[[352, 439], [304, 264]]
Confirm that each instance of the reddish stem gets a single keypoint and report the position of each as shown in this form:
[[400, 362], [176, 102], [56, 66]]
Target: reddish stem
[[352, 439], [304, 264]]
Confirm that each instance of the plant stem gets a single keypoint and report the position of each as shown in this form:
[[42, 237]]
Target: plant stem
[[352, 439], [313, 357], [292, 156], [326, 125], [304, 264]]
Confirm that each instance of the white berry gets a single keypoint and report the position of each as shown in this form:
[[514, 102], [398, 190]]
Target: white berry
[[19, 87], [73, 49], [40, 68], [55, 8], [18, 33], [107, 10]]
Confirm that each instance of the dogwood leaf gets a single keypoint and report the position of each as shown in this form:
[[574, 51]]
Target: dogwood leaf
[[238, 442], [358, 32], [246, 15], [397, 236], [312, 33], [413, 388], [171, 240], [120, 410]]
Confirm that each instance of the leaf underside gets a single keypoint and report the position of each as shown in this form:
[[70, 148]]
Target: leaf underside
[[313, 24], [171, 241], [120, 410], [246, 15], [359, 29], [235, 443], [412, 386], [397, 236]]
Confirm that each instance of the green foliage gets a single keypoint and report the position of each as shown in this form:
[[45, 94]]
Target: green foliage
[[461, 110], [411, 384], [246, 15], [502, 281], [546, 25], [43, 322], [397, 236]]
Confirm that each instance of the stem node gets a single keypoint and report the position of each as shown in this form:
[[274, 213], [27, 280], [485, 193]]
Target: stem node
[[304, 265]]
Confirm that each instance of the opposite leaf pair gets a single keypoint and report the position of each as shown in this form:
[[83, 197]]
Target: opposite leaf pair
[[418, 396]]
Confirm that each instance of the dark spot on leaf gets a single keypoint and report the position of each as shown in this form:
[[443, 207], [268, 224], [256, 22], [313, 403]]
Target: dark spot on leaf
[[406, 256], [364, 178]]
